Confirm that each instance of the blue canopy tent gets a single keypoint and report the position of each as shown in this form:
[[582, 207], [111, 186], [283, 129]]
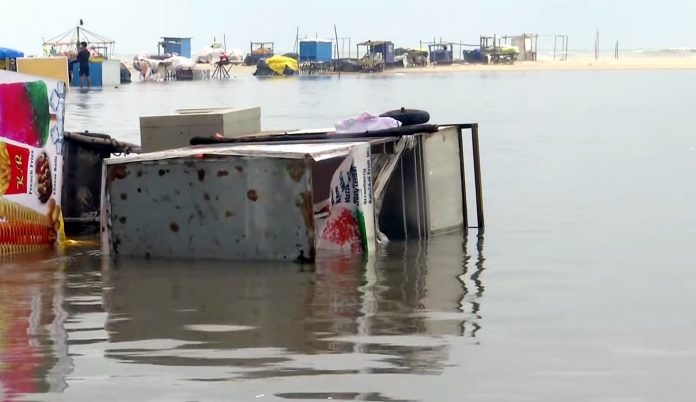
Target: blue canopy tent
[[6, 54]]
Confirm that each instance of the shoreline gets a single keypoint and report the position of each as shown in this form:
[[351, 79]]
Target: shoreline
[[626, 64], [526, 66]]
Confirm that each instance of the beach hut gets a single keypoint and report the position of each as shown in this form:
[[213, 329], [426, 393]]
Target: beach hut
[[315, 55], [385, 48], [174, 45], [315, 50], [441, 53]]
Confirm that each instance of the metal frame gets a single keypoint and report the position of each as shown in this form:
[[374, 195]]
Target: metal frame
[[480, 223]]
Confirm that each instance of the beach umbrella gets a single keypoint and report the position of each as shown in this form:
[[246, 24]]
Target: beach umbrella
[[7, 53]]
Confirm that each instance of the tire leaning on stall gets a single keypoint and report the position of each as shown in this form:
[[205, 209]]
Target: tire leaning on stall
[[408, 117]]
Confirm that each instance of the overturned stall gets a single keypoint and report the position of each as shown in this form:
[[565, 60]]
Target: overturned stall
[[289, 196]]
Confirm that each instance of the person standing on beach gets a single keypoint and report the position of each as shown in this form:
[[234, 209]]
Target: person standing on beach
[[83, 60]]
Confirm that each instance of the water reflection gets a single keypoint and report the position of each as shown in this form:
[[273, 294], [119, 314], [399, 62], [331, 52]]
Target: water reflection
[[472, 285], [390, 312], [33, 339], [67, 320]]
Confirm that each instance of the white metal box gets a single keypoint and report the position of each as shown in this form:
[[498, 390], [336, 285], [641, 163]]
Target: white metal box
[[159, 133]]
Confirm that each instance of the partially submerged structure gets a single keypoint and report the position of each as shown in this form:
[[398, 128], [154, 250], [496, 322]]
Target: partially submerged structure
[[103, 71], [288, 195]]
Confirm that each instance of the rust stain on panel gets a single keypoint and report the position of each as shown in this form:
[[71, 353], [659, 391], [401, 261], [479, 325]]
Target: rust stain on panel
[[296, 169], [117, 172]]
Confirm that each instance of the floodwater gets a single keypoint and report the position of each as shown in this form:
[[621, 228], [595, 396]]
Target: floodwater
[[580, 289]]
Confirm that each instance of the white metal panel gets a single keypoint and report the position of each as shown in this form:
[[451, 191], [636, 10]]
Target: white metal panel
[[316, 151], [231, 208], [442, 166]]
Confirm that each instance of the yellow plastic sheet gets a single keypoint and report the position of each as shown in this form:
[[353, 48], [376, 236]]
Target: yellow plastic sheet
[[278, 64]]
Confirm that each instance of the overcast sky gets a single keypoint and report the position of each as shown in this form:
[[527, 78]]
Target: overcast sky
[[137, 25]]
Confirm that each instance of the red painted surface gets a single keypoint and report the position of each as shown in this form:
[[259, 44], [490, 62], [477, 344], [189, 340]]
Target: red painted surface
[[17, 115], [19, 162], [342, 229]]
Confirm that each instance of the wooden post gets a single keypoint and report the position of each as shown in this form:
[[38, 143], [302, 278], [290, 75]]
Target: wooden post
[[477, 175], [338, 61], [297, 40]]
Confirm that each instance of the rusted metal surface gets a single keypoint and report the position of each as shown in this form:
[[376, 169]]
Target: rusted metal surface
[[233, 207], [283, 200]]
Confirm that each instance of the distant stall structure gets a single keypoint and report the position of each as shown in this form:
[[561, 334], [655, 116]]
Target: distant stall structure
[[413, 57], [441, 53], [526, 45], [258, 51], [494, 51], [175, 46], [68, 43], [103, 71], [8, 58], [341, 49], [560, 47], [315, 55], [376, 55]]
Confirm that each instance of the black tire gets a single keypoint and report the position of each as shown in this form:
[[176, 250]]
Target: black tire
[[408, 117]]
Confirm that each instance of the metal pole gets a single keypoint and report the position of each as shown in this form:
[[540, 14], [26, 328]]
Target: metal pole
[[423, 194], [462, 177], [477, 175], [555, 40], [403, 196], [417, 190]]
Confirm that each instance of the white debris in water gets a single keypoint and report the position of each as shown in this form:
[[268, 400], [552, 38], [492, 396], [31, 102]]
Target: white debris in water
[[217, 328]]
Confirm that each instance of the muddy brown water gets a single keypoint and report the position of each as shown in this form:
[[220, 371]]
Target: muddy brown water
[[580, 289]]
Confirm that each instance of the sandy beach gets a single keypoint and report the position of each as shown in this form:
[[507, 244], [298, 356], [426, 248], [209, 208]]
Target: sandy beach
[[634, 63]]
